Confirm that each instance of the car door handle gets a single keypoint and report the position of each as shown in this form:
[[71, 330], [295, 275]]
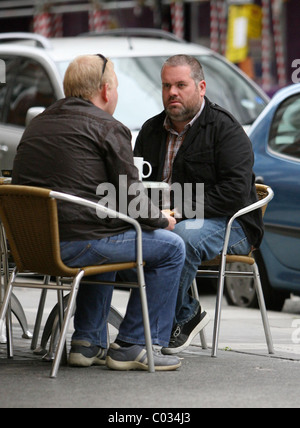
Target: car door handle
[[3, 148], [260, 180]]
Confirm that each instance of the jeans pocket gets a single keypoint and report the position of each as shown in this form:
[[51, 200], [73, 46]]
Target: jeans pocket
[[76, 254], [241, 247]]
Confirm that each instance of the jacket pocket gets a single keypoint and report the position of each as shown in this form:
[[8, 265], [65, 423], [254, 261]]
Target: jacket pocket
[[200, 167]]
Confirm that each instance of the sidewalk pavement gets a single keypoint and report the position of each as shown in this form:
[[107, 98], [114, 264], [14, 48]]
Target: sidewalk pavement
[[243, 375]]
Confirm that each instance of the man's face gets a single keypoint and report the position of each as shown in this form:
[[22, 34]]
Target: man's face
[[113, 95], [182, 98]]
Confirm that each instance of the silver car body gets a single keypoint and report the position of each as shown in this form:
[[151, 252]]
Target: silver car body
[[138, 63]]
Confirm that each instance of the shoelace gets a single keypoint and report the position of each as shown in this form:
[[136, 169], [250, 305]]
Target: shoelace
[[175, 334], [157, 352]]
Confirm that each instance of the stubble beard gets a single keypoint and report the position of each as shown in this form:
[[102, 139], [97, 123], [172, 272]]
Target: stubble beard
[[183, 113]]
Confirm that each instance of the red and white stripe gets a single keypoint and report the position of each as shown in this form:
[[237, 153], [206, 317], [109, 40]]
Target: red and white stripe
[[98, 20], [42, 24], [214, 26], [177, 15], [57, 25], [266, 46], [222, 17]]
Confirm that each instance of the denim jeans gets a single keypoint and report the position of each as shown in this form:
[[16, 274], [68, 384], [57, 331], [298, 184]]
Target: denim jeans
[[203, 244], [164, 254]]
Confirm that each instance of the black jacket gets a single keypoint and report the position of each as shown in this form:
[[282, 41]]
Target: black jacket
[[217, 152], [74, 147]]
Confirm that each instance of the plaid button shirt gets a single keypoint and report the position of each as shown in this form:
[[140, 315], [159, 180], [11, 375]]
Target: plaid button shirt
[[174, 142]]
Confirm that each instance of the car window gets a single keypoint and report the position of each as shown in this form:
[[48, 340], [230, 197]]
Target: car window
[[140, 89], [231, 91], [3, 92], [11, 67], [285, 129], [31, 88]]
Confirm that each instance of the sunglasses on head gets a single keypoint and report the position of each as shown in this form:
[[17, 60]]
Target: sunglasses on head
[[105, 61]]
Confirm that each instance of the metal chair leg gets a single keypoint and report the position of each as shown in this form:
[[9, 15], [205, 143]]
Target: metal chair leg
[[9, 343], [7, 297], [263, 311], [145, 312], [216, 332], [38, 321], [54, 337], [3, 334], [50, 331], [147, 329], [60, 299], [18, 311], [5, 313], [65, 326], [203, 339], [202, 332]]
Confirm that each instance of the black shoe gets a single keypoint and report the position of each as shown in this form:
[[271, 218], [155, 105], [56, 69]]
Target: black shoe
[[82, 354], [182, 335]]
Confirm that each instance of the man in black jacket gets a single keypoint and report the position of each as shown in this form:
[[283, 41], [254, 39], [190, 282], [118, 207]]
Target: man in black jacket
[[76, 146], [196, 141]]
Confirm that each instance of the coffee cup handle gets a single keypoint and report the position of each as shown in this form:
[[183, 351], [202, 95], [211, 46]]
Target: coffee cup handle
[[150, 169]]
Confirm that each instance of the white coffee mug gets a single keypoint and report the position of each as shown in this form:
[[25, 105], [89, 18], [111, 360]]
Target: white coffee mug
[[139, 163]]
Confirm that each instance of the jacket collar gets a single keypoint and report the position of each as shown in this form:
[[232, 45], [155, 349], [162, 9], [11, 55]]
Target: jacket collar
[[205, 117]]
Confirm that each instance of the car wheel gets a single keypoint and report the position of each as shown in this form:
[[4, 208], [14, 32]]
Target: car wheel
[[274, 298], [241, 291]]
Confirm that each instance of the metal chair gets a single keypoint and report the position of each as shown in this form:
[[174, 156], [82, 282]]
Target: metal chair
[[265, 195], [16, 307], [51, 329], [30, 219]]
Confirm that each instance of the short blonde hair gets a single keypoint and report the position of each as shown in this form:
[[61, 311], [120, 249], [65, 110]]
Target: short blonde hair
[[83, 76]]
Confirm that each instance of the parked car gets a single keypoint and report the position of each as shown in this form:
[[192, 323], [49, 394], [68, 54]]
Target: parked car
[[35, 68], [275, 136]]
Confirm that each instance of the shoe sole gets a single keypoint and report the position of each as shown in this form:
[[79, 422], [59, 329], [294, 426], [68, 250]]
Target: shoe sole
[[135, 365], [78, 360], [203, 323]]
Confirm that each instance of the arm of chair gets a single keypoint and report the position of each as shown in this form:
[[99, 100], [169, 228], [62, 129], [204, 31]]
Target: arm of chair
[[109, 212], [243, 211]]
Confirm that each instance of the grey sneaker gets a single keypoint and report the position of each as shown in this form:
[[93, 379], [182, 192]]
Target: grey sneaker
[[83, 354], [135, 358]]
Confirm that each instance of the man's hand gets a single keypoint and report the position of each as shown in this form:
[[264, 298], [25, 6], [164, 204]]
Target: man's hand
[[170, 216]]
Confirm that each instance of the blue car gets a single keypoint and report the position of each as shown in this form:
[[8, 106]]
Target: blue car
[[275, 136]]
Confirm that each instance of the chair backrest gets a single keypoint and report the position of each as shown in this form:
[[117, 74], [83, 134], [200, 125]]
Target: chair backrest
[[30, 220], [262, 193]]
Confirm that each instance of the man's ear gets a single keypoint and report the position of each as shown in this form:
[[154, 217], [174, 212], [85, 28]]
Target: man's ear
[[202, 87], [104, 92]]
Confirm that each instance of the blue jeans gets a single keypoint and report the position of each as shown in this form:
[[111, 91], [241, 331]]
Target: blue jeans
[[164, 254], [203, 244]]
